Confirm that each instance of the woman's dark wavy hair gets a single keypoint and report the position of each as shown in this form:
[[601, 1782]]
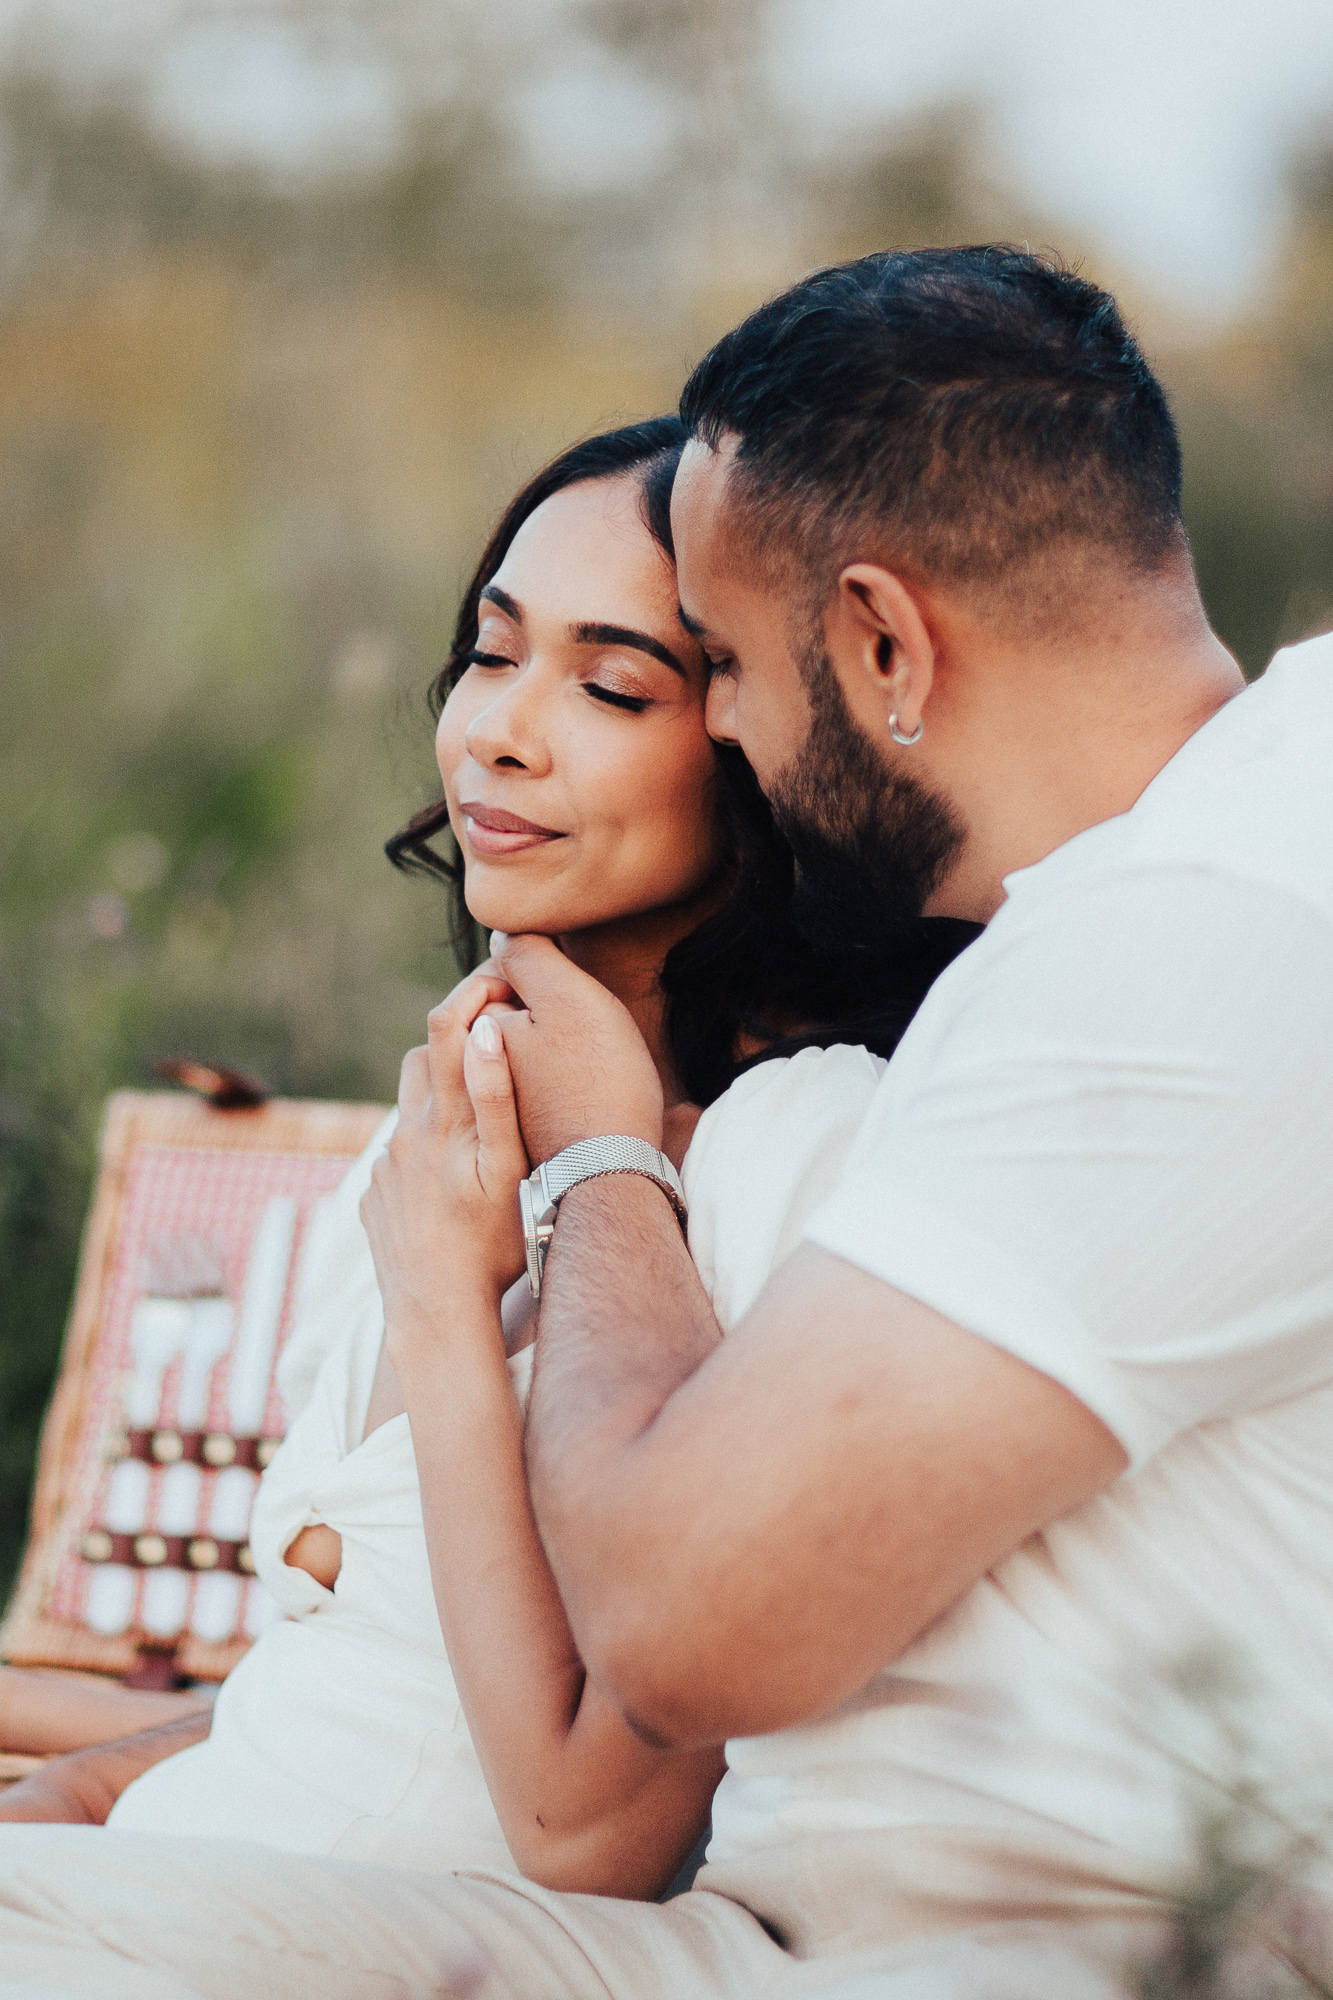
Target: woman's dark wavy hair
[[744, 985]]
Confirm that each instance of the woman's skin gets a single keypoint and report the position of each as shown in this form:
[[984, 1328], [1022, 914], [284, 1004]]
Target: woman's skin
[[582, 715], [47, 1710]]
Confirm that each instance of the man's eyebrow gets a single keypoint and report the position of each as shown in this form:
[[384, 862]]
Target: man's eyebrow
[[625, 635], [509, 605], [692, 625]]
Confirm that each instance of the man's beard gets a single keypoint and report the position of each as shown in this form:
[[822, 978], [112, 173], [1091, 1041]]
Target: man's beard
[[870, 844]]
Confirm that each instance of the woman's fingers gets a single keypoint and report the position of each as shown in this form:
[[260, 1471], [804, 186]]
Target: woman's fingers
[[501, 1158], [414, 1082], [449, 1024], [579, 1062]]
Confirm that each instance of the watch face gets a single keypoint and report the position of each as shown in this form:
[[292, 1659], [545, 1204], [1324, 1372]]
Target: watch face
[[528, 1217]]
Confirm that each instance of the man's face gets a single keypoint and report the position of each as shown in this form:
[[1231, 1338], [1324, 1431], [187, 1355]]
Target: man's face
[[870, 840], [757, 696]]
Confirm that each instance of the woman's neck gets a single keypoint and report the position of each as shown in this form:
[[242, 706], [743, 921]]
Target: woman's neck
[[626, 957]]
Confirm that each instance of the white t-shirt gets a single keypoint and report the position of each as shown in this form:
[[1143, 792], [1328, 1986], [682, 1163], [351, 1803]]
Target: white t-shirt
[[1106, 1145]]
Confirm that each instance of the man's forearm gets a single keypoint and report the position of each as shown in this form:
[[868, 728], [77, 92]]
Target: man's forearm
[[624, 1322], [84, 1785]]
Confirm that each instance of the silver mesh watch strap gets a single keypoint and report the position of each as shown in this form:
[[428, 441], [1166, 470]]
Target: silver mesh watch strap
[[586, 1160]]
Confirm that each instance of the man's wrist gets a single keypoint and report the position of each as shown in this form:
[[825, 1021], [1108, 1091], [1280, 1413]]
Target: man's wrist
[[616, 1194], [612, 1156]]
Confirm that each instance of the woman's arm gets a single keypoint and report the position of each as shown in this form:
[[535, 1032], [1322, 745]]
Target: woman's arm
[[47, 1710], [585, 1804], [81, 1788]]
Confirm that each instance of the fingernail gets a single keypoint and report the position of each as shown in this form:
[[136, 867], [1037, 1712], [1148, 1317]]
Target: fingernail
[[499, 942], [486, 1035]]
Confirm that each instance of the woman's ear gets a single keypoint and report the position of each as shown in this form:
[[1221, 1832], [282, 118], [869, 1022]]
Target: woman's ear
[[880, 641]]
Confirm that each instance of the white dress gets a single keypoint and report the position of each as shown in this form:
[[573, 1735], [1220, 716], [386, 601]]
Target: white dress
[[341, 1730]]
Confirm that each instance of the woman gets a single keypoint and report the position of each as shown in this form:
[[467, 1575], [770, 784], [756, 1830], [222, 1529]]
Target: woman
[[588, 802]]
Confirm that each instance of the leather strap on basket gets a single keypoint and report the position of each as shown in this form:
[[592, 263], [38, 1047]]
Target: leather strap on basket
[[149, 1550], [217, 1449]]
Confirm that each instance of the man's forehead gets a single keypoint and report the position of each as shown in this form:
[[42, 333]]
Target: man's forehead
[[699, 526], [723, 597], [700, 488]]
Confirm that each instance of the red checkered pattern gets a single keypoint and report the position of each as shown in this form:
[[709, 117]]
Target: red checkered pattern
[[173, 1193]]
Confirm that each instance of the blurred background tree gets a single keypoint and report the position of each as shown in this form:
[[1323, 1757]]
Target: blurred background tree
[[254, 422]]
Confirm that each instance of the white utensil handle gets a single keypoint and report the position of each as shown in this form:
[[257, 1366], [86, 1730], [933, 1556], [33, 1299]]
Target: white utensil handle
[[217, 1606], [158, 1331], [178, 1499], [109, 1605], [261, 1311], [233, 1496], [166, 1600], [209, 1336], [126, 1509]]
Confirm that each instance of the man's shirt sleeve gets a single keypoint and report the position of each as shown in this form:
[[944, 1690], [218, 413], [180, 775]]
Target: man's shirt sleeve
[[1106, 1145]]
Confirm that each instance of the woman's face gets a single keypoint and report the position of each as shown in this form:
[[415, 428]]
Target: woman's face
[[581, 782]]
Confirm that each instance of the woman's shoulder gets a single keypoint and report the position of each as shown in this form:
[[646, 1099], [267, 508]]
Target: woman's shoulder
[[802, 1096]]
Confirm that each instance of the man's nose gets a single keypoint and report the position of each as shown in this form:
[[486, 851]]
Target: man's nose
[[720, 709]]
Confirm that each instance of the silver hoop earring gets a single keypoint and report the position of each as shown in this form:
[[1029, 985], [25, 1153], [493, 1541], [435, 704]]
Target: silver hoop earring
[[906, 741]]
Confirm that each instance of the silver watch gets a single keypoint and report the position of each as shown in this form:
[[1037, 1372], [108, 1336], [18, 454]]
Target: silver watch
[[541, 1195]]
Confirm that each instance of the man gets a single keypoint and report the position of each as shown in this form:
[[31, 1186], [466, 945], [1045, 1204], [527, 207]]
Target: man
[[1042, 1401], [1040, 1407]]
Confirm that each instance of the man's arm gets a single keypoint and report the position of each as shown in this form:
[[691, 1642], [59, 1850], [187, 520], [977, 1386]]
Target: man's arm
[[745, 1532], [81, 1787], [1108, 1152]]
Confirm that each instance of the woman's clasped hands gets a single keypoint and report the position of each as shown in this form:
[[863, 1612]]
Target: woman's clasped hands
[[441, 1211]]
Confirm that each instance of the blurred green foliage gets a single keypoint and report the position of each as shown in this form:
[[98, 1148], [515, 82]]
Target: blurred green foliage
[[252, 432]]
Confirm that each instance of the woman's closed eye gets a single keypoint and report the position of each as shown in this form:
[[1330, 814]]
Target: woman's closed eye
[[617, 697], [476, 658]]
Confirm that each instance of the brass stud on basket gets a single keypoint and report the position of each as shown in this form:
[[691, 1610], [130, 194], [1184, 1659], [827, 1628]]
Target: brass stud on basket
[[167, 1447], [218, 1449], [96, 1546], [150, 1550], [203, 1553]]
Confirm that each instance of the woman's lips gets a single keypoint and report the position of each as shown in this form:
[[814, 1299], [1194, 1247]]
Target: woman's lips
[[491, 831]]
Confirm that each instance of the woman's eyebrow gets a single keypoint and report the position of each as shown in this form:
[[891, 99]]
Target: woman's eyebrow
[[624, 635], [509, 605]]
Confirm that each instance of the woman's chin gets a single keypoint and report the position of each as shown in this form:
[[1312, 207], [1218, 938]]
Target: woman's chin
[[495, 913]]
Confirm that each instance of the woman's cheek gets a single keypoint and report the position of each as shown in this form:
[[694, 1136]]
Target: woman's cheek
[[451, 730], [689, 843]]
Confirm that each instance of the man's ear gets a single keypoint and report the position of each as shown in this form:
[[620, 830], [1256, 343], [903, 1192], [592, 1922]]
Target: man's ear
[[876, 631]]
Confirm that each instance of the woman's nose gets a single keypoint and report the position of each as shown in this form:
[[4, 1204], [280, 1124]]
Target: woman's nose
[[507, 731]]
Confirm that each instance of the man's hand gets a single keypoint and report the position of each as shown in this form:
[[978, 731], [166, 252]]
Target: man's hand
[[580, 1066]]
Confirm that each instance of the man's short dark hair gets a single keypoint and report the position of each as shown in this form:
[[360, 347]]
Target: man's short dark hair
[[974, 409]]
